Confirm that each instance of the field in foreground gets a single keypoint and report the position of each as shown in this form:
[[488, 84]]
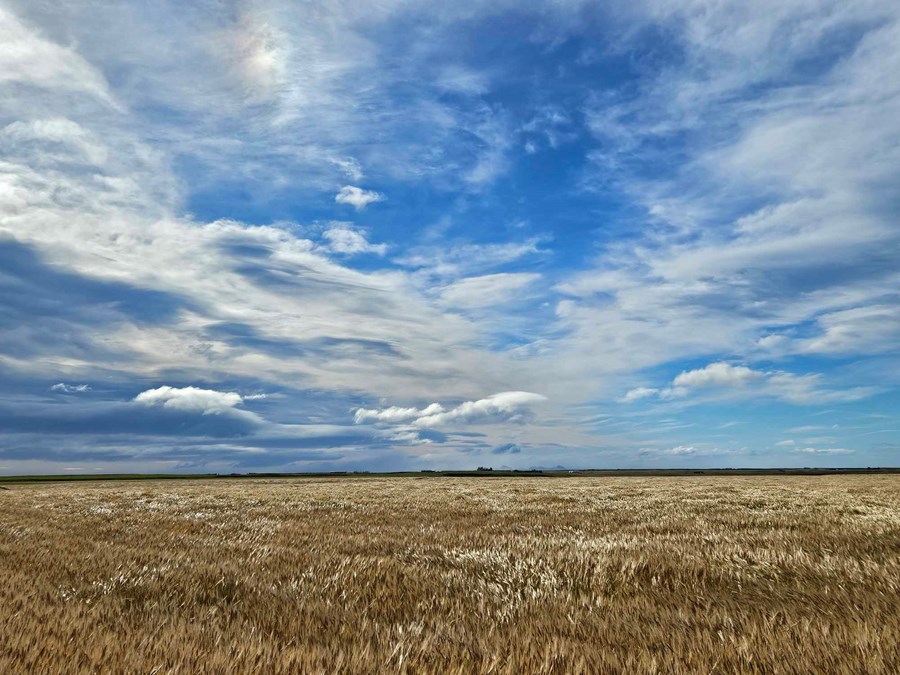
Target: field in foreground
[[509, 575]]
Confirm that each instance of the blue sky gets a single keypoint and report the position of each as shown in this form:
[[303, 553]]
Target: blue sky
[[346, 236]]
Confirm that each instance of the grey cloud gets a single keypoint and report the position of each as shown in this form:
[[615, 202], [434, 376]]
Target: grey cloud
[[44, 308], [507, 449]]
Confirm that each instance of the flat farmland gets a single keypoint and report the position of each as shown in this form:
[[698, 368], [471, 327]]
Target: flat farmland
[[445, 575]]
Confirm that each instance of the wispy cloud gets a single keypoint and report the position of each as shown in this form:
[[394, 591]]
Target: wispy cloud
[[70, 388], [826, 451], [799, 389], [487, 290]]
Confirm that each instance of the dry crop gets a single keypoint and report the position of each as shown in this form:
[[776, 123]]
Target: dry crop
[[444, 575]]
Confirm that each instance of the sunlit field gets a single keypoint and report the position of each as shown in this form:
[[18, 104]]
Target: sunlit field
[[444, 575]]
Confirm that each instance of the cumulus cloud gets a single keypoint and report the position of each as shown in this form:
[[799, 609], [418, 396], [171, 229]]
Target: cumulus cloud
[[717, 375], [395, 415], [507, 406], [344, 238], [192, 399], [357, 197], [70, 388]]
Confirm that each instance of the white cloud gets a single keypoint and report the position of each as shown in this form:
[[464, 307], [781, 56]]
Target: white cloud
[[58, 131], [639, 393], [28, 58], [486, 290], [807, 389], [865, 330], [786, 443], [826, 451], [717, 375], [507, 406], [344, 238], [408, 437], [808, 427], [193, 399], [772, 342], [118, 227], [792, 183], [799, 389], [70, 388], [394, 414], [350, 166], [441, 262], [860, 330], [686, 450], [820, 440], [357, 197]]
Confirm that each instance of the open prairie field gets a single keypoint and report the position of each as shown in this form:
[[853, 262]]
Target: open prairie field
[[445, 575]]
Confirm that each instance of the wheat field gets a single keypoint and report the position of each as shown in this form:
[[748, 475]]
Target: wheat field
[[453, 575]]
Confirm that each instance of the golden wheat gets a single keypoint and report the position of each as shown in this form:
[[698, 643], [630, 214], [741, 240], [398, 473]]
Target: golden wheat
[[444, 575]]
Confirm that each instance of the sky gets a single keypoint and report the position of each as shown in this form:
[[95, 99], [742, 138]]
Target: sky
[[345, 236]]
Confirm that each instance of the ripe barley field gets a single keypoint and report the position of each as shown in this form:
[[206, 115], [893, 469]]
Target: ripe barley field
[[447, 575]]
